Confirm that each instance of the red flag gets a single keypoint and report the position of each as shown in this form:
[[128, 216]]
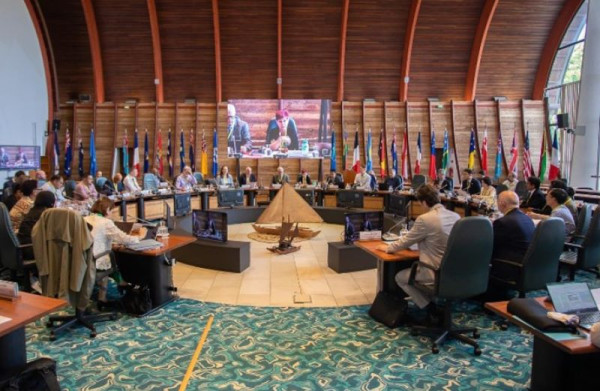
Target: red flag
[[528, 167], [484, 151], [382, 155], [419, 155], [514, 155]]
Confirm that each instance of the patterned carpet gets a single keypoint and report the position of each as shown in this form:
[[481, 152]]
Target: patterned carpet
[[266, 348]]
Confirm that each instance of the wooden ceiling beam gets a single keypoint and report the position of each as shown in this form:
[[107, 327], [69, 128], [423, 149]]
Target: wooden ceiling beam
[[561, 24], [95, 50], [485, 20], [217, 34], [409, 38], [156, 51], [279, 80], [342, 60]]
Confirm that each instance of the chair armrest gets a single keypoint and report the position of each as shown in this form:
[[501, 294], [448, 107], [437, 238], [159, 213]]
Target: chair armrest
[[507, 262], [573, 245], [413, 271]]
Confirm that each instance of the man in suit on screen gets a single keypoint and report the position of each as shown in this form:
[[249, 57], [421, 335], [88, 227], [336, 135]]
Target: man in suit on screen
[[238, 133]]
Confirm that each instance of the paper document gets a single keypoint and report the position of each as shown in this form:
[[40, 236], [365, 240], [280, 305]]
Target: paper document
[[4, 319], [596, 296]]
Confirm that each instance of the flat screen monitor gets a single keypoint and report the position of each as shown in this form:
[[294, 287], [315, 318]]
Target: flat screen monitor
[[350, 199], [168, 217], [398, 205], [355, 223], [230, 197], [19, 157], [182, 203], [209, 225], [308, 195]]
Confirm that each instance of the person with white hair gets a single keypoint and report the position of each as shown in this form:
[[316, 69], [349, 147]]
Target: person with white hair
[[238, 133], [185, 181]]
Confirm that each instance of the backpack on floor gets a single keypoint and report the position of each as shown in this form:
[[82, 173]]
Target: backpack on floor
[[37, 375]]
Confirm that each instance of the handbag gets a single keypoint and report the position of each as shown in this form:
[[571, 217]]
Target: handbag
[[388, 309], [37, 375], [136, 300], [532, 312]]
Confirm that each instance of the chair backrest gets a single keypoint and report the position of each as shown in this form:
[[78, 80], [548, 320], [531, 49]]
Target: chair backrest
[[69, 188], [100, 181], [589, 255], [540, 263], [584, 217], [521, 190], [149, 182], [9, 244], [418, 180], [349, 176], [500, 188], [199, 178], [465, 267]]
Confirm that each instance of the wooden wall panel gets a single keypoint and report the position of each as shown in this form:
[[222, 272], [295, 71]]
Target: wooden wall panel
[[126, 42], [317, 78], [375, 39], [146, 122], [249, 49], [442, 48], [374, 121], [395, 122], [510, 118], [105, 123], [71, 47], [513, 48], [464, 121], [265, 171], [188, 49], [418, 121], [353, 120], [487, 117], [336, 123]]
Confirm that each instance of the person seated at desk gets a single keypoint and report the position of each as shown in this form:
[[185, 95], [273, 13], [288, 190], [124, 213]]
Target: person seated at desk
[[335, 179], [363, 180], [470, 184], [282, 133], [130, 182], [40, 177], [395, 181], [304, 178], [442, 182], [511, 181], [55, 186], [44, 200], [224, 178], [535, 198], [430, 231], [185, 181], [85, 189], [247, 177], [238, 133], [160, 179], [569, 203], [4, 159], [14, 196], [488, 192], [105, 233], [8, 191], [556, 199], [113, 187], [281, 177], [25, 203]]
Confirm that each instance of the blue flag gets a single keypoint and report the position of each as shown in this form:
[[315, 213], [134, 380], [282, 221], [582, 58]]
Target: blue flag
[[93, 167], [56, 152], [125, 154], [181, 152], [146, 156], [333, 164], [68, 155], [80, 157], [394, 154], [192, 154], [369, 166], [215, 168], [170, 155], [498, 169]]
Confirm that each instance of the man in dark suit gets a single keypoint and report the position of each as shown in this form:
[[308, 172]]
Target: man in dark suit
[[238, 133], [395, 182], [535, 198], [443, 183], [303, 178], [247, 177], [281, 177], [470, 184], [335, 179]]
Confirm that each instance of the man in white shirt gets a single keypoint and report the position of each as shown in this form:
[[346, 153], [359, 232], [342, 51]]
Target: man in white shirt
[[363, 180], [54, 185], [130, 182], [185, 181], [430, 232], [511, 181]]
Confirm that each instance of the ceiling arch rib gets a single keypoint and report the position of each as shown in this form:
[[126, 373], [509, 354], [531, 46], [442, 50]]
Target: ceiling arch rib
[[156, 51], [342, 60], [92, 28], [409, 38], [217, 35]]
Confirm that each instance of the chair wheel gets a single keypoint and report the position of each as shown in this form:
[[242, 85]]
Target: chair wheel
[[435, 349], [476, 335], [477, 352]]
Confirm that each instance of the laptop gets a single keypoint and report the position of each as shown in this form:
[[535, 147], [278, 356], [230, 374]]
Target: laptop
[[128, 227], [575, 298]]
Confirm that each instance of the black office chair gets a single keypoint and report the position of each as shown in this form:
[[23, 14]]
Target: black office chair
[[69, 188], [584, 255], [463, 273], [584, 218], [521, 190], [11, 253], [500, 188], [418, 180], [539, 266]]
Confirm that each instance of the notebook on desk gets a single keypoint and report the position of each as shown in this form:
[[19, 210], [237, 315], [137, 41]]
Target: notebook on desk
[[575, 298], [128, 227]]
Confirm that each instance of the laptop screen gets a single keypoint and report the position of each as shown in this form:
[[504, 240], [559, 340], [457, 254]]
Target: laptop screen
[[572, 297]]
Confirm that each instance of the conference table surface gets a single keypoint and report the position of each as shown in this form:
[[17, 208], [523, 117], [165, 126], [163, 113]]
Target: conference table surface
[[170, 243], [370, 246], [25, 309]]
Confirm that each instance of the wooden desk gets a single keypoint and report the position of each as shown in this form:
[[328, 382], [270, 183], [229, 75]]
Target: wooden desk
[[557, 365], [388, 264], [26, 309], [152, 268]]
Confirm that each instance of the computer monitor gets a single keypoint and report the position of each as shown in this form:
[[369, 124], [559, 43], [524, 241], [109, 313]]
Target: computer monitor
[[168, 217], [182, 202], [350, 199], [230, 197], [19, 157], [398, 205], [209, 225], [308, 195], [355, 223]]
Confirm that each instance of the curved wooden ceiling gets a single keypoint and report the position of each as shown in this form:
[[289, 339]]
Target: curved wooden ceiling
[[311, 40]]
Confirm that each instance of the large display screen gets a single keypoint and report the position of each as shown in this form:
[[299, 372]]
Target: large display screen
[[273, 128], [19, 157]]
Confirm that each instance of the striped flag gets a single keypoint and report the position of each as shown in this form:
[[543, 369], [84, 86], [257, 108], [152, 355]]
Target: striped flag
[[356, 154], [159, 161], [445, 153], [555, 162], [484, 152], [544, 158], [432, 162], [136, 152], [170, 153], [215, 165], [419, 155], [382, 155], [333, 163], [404, 161], [146, 153], [125, 154], [471, 162], [203, 156], [56, 152], [80, 154], [181, 151], [528, 167], [369, 165], [498, 168], [192, 154], [68, 154], [514, 155], [93, 165], [395, 155]]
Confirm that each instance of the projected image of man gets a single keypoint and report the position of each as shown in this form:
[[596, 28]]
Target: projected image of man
[[282, 133], [238, 133]]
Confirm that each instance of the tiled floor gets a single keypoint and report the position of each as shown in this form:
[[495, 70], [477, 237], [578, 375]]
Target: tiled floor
[[273, 280]]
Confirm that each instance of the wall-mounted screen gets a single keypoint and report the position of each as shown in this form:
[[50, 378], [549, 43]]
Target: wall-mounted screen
[[273, 128], [19, 157], [361, 222]]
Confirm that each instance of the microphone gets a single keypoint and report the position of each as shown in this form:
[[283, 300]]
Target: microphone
[[388, 236]]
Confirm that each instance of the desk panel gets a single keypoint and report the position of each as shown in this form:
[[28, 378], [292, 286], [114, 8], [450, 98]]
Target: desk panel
[[373, 203]]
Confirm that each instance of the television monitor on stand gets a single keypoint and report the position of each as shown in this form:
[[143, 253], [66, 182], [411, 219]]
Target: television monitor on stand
[[308, 195], [209, 225], [358, 222], [230, 197], [182, 202], [350, 199], [398, 205]]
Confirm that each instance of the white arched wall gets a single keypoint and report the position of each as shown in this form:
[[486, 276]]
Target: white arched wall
[[23, 93]]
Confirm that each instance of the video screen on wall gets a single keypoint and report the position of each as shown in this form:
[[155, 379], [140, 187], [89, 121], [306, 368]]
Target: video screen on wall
[[273, 128], [19, 157]]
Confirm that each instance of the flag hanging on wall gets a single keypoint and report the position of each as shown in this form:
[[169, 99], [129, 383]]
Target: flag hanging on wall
[[192, 154], [555, 161], [404, 161], [419, 155], [146, 153], [333, 163], [215, 166], [498, 168], [382, 155], [471, 162], [93, 163], [344, 150], [394, 150], [356, 154], [514, 155], [80, 147], [484, 152], [203, 156], [181, 151], [170, 154], [136, 152], [68, 154], [56, 151], [369, 165], [544, 158], [159, 161], [432, 159], [527, 166], [125, 154], [445, 153]]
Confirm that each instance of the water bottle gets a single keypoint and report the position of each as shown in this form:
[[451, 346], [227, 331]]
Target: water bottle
[[305, 146]]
